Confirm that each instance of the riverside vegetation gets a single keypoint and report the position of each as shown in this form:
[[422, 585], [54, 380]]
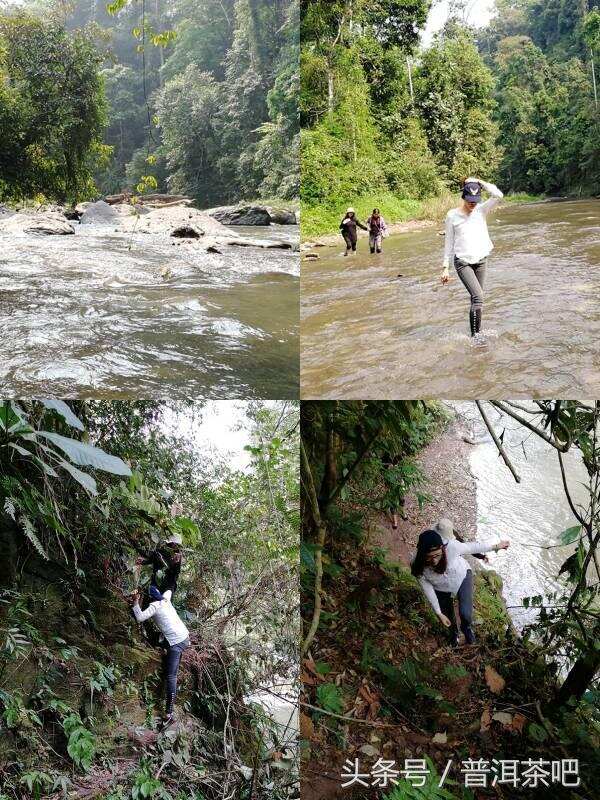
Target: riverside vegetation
[[388, 123], [379, 679], [193, 97], [82, 486]]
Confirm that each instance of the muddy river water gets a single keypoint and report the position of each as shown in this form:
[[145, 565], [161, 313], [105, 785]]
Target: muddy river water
[[368, 333], [531, 514], [86, 314]]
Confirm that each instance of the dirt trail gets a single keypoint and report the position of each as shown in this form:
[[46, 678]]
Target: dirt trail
[[451, 487]]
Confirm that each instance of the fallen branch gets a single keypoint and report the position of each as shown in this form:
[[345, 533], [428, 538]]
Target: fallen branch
[[497, 441]]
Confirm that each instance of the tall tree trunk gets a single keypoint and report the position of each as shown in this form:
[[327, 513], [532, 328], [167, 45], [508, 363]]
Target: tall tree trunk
[[594, 80], [161, 52], [319, 522], [581, 674], [330, 473]]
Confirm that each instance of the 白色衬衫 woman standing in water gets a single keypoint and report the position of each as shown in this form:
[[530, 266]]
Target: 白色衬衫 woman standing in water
[[468, 241]]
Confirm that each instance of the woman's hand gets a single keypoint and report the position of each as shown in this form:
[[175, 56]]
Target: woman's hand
[[134, 597], [503, 545], [444, 620], [445, 276]]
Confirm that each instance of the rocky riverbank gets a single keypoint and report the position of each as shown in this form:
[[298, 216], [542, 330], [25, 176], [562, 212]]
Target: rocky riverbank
[[176, 219]]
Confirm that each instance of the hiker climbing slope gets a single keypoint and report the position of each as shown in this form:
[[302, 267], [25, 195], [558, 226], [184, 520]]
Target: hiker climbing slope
[[348, 228], [176, 639], [443, 574], [469, 243], [166, 563]]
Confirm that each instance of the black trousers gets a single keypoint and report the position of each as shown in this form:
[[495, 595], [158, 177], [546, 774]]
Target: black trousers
[[172, 661], [465, 605], [350, 240]]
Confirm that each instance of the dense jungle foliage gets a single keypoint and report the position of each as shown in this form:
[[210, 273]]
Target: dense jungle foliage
[[199, 98], [387, 122], [86, 486], [379, 679]]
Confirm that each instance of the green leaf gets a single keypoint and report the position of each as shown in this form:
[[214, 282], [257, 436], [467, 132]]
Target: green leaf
[[330, 698], [61, 408], [86, 455], [537, 732], [81, 477], [570, 534]]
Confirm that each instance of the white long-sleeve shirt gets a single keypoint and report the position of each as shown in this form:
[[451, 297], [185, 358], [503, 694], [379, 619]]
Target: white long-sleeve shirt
[[456, 571], [467, 234], [166, 618]]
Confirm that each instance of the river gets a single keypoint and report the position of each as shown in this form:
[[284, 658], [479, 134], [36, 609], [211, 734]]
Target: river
[[531, 514], [367, 333], [85, 315]]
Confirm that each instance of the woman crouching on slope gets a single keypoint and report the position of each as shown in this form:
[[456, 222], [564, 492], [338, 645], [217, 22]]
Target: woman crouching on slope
[[443, 574], [469, 243]]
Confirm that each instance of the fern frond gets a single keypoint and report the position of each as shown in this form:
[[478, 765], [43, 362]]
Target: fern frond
[[9, 507], [29, 531]]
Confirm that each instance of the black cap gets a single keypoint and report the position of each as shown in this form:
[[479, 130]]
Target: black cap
[[472, 192], [429, 540]]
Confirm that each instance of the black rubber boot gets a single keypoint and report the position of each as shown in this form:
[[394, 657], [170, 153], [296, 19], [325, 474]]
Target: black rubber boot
[[478, 313], [472, 321]]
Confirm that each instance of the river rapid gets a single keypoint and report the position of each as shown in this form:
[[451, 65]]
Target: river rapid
[[114, 315], [368, 333]]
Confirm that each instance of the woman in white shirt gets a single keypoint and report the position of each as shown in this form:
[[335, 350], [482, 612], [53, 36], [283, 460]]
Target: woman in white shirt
[[443, 573], [176, 635], [468, 241]]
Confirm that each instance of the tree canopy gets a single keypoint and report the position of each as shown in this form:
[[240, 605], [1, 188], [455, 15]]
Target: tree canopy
[[52, 109], [202, 96]]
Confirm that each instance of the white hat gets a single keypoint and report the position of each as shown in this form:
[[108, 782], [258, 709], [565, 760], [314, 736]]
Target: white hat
[[444, 527], [175, 538], [350, 210]]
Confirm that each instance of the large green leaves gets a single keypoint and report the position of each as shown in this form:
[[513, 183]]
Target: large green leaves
[[63, 409], [22, 439], [86, 455]]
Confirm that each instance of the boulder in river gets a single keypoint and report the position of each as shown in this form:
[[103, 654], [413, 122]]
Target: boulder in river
[[241, 215], [282, 216], [99, 213], [187, 231], [48, 223], [168, 219]]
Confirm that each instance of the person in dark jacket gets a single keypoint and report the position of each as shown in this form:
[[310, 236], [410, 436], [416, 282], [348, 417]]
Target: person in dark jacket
[[165, 562], [348, 228]]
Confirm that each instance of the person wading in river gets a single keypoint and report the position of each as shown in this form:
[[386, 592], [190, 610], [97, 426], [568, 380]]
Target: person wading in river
[[348, 228], [176, 639], [443, 574], [468, 240], [377, 228]]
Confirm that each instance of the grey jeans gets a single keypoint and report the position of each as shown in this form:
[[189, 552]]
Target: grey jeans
[[473, 277], [375, 241], [172, 659], [465, 605]]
